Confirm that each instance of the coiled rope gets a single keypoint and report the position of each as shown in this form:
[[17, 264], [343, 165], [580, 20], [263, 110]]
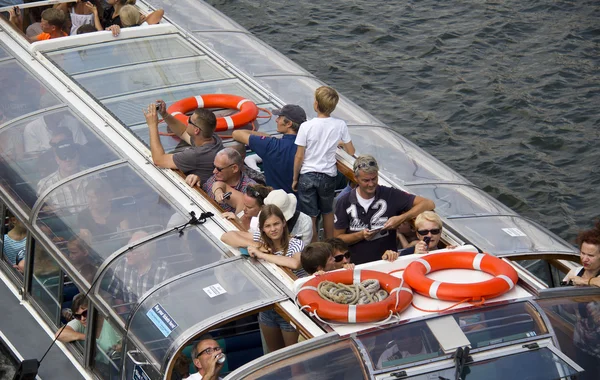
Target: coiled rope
[[365, 292]]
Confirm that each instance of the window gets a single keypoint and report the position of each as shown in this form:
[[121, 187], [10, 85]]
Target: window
[[46, 283], [14, 243], [106, 356]]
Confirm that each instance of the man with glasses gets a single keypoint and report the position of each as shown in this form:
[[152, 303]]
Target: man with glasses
[[198, 132], [205, 355], [366, 218], [277, 153]]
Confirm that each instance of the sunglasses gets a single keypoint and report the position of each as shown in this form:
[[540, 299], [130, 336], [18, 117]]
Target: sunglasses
[[339, 258], [81, 315], [209, 351], [365, 165], [223, 168], [435, 231], [190, 122]]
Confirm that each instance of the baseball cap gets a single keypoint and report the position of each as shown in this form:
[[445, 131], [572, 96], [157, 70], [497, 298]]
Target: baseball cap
[[292, 112]]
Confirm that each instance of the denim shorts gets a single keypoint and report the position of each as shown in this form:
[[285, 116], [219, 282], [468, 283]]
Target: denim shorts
[[270, 318], [315, 193]]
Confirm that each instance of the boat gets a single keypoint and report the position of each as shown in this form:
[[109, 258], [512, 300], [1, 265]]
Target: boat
[[97, 85]]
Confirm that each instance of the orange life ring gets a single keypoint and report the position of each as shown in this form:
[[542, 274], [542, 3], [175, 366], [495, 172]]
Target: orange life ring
[[394, 303], [248, 111], [505, 276]]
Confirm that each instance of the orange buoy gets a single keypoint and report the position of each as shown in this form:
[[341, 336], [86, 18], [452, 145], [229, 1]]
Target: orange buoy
[[248, 111], [398, 299], [505, 276]]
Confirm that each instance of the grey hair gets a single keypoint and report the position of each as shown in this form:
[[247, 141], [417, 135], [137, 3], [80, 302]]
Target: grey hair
[[233, 156], [366, 163]]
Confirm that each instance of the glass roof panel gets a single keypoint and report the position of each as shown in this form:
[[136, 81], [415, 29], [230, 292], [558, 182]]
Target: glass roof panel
[[460, 200], [3, 53], [205, 297], [166, 256], [114, 204], [507, 234], [121, 52], [301, 90], [539, 364], [41, 150], [196, 15], [248, 53], [21, 92], [335, 361], [399, 159], [148, 76], [128, 108]]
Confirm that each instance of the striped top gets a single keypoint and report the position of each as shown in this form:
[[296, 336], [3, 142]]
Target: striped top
[[13, 248], [295, 246]]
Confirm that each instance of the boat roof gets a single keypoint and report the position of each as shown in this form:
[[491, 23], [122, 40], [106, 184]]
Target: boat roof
[[101, 83]]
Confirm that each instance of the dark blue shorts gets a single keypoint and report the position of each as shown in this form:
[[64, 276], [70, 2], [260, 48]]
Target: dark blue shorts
[[315, 193], [270, 318]]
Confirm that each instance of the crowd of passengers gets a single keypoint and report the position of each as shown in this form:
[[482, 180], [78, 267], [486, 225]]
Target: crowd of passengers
[[79, 17]]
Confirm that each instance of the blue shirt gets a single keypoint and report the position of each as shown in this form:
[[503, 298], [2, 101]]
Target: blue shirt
[[278, 159]]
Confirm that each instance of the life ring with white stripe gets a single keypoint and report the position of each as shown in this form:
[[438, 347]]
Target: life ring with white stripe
[[505, 276], [248, 111], [399, 297]]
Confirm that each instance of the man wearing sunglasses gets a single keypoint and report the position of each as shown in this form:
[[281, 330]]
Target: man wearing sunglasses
[[205, 355], [198, 133], [366, 218]]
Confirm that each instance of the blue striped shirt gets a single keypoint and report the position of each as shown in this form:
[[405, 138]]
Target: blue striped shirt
[[295, 246], [13, 248]]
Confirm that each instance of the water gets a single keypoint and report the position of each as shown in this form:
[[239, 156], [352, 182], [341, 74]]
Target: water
[[504, 92]]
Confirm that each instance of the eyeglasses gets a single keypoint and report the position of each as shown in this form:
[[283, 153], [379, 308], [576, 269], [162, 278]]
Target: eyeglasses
[[190, 122], [364, 165], [223, 168], [339, 258], [80, 315], [209, 351], [435, 231]]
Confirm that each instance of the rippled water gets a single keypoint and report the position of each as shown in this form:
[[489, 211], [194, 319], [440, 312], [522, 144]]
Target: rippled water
[[505, 92]]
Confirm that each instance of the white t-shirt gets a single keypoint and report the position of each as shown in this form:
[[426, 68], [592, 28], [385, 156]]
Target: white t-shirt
[[365, 203], [303, 228], [36, 137], [320, 137], [195, 376]]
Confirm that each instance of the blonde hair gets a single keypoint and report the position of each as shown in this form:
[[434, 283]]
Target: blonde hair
[[130, 16], [327, 99], [429, 216]]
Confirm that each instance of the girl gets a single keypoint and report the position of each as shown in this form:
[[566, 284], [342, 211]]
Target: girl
[[82, 13]]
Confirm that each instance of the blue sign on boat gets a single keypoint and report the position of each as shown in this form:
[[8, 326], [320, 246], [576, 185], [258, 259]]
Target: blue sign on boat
[[139, 373], [162, 320]]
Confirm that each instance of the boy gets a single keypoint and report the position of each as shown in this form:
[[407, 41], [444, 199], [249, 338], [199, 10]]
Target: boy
[[53, 21], [318, 258], [315, 164]]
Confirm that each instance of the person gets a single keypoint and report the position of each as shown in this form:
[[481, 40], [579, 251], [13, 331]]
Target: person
[[589, 252], [198, 133], [315, 164], [272, 244], [429, 227], [111, 18], [277, 153], [38, 133], [228, 177], [320, 257], [256, 175], [53, 21], [406, 235], [67, 157], [79, 256], [205, 356], [99, 218], [403, 346], [252, 201], [299, 224], [14, 242], [130, 16], [367, 217], [138, 273], [82, 13]]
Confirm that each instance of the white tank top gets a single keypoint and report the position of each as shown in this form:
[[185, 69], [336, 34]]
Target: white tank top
[[78, 20]]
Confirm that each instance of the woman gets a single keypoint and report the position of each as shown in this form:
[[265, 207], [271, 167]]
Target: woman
[[82, 13], [589, 253], [272, 244], [428, 226], [14, 243], [112, 15], [250, 203]]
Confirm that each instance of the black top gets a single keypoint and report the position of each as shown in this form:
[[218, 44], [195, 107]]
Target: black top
[[107, 18], [351, 217]]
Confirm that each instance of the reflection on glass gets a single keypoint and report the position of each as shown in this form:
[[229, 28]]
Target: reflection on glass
[[540, 364], [45, 283], [121, 52], [338, 361], [107, 349], [118, 203]]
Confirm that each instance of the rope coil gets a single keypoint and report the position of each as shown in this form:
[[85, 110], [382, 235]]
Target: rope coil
[[365, 292]]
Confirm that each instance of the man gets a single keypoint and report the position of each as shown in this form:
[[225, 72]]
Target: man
[[53, 20], [367, 217], [205, 355], [138, 273], [277, 153], [66, 154], [37, 134], [228, 176], [298, 223], [199, 133], [321, 257]]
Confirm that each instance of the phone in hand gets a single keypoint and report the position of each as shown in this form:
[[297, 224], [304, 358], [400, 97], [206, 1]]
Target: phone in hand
[[227, 195], [374, 229]]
